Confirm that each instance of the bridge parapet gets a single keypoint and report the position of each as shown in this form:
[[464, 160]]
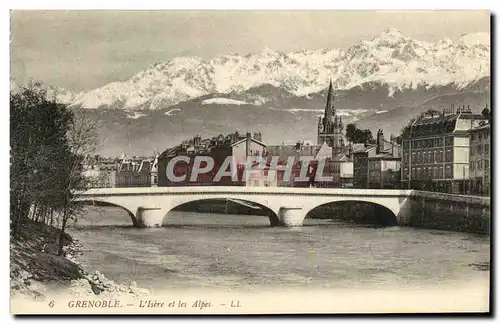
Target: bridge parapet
[[147, 204]]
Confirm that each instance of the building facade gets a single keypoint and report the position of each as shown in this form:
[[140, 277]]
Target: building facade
[[436, 151], [237, 147], [377, 166], [134, 173], [100, 172], [479, 160]]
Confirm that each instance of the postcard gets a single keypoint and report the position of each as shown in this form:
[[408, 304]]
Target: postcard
[[250, 162]]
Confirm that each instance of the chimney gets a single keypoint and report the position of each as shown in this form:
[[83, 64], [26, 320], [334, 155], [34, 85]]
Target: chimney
[[380, 141], [248, 143]]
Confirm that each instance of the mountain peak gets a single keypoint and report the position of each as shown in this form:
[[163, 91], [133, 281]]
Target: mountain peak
[[389, 36], [266, 51], [392, 32], [389, 58]]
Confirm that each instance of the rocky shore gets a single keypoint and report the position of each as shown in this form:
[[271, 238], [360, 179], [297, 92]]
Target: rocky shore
[[36, 269]]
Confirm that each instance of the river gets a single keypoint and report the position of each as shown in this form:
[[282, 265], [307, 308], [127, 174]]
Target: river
[[243, 253]]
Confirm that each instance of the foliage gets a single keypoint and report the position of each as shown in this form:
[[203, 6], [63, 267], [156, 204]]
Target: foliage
[[356, 135], [47, 145]]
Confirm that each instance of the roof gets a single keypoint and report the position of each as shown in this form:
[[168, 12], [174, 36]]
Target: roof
[[361, 148], [324, 152], [480, 128], [252, 139], [441, 123]]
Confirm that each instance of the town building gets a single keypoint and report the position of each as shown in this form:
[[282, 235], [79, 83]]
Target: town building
[[479, 160], [154, 172], [377, 166], [219, 148], [134, 172], [436, 150], [99, 172], [337, 168]]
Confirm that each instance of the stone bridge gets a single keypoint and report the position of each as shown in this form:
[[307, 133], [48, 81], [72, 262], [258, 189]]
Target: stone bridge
[[148, 206]]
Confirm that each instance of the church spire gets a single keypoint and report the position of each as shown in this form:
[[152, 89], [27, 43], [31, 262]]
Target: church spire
[[329, 102]]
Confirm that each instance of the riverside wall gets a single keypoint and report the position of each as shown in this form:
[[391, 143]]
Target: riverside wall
[[447, 212]]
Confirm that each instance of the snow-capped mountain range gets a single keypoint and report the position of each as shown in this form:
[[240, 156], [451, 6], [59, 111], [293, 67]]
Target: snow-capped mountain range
[[390, 58]]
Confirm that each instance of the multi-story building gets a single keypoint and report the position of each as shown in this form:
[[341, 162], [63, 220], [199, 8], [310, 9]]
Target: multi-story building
[[99, 172], [239, 148], [436, 151], [134, 173], [377, 166], [107, 177], [479, 160]]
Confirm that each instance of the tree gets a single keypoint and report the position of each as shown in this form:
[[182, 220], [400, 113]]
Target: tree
[[350, 132], [38, 127], [47, 145], [356, 135], [83, 141]]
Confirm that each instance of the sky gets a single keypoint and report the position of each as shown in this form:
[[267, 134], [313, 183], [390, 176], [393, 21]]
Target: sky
[[83, 50]]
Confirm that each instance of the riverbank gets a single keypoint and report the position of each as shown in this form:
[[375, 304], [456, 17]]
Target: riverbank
[[36, 269]]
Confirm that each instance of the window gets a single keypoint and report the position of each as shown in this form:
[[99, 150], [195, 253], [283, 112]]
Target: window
[[405, 173], [486, 165], [479, 165], [479, 149], [486, 148], [448, 172], [440, 172], [472, 165], [413, 158], [405, 158], [413, 173], [479, 137], [448, 156], [472, 137], [413, 144], [486, 135], [406, 145], [448, 141]]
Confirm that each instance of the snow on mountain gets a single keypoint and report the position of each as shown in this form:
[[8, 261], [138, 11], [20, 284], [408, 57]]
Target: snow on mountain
[[390, 58], [135, 115], [62, 95], [171, 112], [223, 101]]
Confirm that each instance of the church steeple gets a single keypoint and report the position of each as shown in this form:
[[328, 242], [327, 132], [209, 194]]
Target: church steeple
[[329, 109]]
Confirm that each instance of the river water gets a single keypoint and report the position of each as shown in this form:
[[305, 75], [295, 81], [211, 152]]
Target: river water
[[243, 253]]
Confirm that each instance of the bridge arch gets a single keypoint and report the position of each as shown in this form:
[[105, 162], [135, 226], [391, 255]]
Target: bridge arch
[[103, 202], [355, 210], [233, 202]]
